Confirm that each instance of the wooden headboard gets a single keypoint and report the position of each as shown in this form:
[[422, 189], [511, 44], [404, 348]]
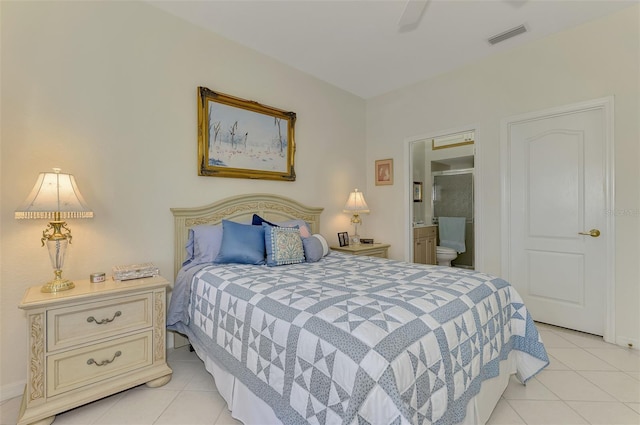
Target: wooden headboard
[[238, 208]]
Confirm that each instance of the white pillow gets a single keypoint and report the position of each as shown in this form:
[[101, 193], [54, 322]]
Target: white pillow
[[323, 241]]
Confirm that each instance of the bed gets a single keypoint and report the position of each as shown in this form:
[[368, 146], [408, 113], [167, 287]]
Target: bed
[[346, 339]]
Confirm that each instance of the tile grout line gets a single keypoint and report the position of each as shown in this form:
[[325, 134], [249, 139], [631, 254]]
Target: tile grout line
[[121, 395], [514, 409], [577, 412], [565, 402], [167, 406], [597, 385], [183, 389]]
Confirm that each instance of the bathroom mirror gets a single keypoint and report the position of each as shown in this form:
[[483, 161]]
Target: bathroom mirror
[[444, 165]]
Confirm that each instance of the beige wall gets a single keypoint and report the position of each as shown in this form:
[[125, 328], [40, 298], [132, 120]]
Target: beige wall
[[107, 91], [597, 59]]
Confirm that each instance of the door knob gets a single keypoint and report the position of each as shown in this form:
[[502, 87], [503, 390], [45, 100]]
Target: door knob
[[594, 233]]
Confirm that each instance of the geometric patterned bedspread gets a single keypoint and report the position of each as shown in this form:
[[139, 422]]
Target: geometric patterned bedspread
[[356, 339]]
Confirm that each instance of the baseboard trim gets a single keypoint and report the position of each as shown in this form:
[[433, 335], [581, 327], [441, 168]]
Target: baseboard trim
[[11, 391], [628, 343]]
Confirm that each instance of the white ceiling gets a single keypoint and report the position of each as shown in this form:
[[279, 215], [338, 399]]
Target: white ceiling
[[357, 45]]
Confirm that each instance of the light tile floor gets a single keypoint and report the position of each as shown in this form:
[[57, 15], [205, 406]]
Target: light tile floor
[[587, 382]]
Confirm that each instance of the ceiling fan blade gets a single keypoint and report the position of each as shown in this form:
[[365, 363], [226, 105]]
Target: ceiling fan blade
[[413, 11]]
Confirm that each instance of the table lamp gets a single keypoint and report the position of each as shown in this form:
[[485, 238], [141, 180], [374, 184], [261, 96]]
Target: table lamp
[[356, 205], [55, 197]]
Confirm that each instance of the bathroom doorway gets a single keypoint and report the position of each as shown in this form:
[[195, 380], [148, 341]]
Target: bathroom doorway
[[452, 196], [442, 167]]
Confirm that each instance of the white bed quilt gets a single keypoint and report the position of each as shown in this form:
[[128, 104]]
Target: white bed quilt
[[358, 340]]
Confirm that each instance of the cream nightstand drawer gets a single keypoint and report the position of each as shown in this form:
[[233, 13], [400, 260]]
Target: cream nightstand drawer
[[90, 322], [372, 250], [382, 253], [76, 368]]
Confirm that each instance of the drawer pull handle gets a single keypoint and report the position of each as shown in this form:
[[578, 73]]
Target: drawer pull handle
[[103, 321], [104, 362]]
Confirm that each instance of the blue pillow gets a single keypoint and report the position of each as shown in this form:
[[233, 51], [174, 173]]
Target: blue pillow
[[241, 243], [283, 245], [303, 226], [256, 220], [203, 244], [312, 249]]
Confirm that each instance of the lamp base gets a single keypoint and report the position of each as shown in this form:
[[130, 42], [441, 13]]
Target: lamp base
[[57, 285]]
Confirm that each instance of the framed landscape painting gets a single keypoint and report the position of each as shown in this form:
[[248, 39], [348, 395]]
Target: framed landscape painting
[[244, 139]]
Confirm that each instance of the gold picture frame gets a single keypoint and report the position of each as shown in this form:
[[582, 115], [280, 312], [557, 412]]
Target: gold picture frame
[[244, 139], [384, 172]]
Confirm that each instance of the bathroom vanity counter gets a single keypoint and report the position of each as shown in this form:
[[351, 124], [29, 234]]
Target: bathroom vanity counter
[[424, 243]]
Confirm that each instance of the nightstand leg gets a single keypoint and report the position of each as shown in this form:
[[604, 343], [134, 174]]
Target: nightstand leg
[[159, 382], [45, 421], [23, 407]]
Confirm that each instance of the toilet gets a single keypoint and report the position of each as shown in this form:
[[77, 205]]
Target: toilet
[[444, 255]]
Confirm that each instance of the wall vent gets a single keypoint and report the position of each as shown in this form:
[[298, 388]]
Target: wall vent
[[507, 34]]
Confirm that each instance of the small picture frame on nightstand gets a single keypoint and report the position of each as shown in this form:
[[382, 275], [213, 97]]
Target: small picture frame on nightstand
[[343, 239]]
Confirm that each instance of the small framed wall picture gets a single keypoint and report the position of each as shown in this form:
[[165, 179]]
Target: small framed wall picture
[[343, 239], [384, 172], [417, 191]]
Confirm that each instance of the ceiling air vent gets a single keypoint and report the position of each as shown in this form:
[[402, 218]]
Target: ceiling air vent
[[507, 34]]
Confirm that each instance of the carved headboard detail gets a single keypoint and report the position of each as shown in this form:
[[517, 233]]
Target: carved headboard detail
[[238, 208]]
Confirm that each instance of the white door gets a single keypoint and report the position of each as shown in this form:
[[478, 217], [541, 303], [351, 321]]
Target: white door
[[557, 183]]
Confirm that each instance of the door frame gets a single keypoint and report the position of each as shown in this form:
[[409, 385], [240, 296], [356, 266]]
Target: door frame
[[607, 105], [478, 252]]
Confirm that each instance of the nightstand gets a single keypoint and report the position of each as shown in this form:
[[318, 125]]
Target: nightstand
[[372, 250], [92, 341]]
